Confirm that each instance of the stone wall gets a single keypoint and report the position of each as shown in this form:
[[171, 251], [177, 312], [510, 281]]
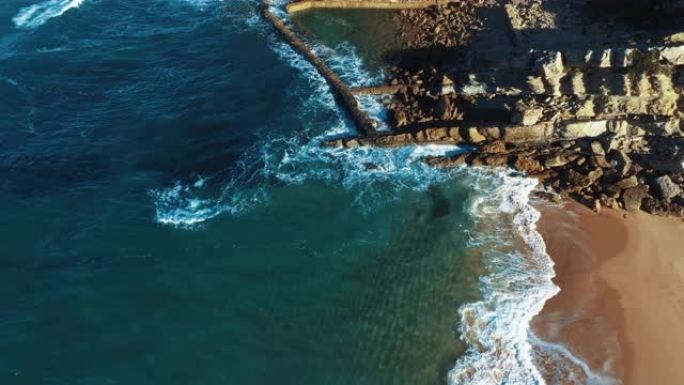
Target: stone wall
[[302, 5]]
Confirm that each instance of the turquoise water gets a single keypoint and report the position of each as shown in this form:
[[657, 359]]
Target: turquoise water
[[168, 215]]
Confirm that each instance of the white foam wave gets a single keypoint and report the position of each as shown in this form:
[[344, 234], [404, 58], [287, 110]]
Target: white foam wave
[[517, 285], [36, 15]]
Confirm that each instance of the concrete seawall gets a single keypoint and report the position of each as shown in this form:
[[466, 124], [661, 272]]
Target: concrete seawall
[[304, 5], [364, 125]]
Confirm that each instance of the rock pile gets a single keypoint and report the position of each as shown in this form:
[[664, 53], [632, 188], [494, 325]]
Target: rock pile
[[606, 129], [447, 25]]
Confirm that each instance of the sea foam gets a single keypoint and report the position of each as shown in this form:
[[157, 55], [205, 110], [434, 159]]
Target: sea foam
[[36, 15]]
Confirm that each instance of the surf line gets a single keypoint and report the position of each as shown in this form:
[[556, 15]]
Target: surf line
[[343, 94]]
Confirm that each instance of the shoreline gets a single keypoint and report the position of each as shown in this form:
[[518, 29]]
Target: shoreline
[[620, 307]]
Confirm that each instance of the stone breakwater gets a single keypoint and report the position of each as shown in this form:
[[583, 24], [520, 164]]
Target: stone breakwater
[[343, 94], [303, 5]]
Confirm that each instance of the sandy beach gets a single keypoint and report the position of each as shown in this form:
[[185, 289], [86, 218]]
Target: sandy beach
[[621, 305]]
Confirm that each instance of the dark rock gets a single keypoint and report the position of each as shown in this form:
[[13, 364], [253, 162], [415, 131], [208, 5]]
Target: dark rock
[[665, 188]]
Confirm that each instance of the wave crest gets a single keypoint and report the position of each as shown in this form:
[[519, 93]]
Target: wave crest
[[36, 15]]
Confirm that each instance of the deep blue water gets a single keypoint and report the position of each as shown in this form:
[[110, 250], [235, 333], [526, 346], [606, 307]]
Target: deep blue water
[[169, 217]]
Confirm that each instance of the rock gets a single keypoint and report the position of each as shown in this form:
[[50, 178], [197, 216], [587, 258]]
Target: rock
[[474, 135], [455, 134], [597, 148], [352, 143], [527, 116], [536, 133], [528, 164], [536, 85], [606, 58], [621, 162], [600, 161], [586, 110], [633, 197], [553, 70], [494, 147], [445, 161], [437, 134], [446, 86], [673, 55], [400, 118], [556, 161], [677, 38], [594, 175], [589, 129], [496, 160], [628, 183], [443, 108], [665, 188]]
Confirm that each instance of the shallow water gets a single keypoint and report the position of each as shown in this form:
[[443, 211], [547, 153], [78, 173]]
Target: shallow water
[[169, 217]]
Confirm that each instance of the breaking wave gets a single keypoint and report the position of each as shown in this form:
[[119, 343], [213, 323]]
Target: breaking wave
[[36, 15]]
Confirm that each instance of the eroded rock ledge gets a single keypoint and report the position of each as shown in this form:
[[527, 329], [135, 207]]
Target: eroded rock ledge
[[594, 120]]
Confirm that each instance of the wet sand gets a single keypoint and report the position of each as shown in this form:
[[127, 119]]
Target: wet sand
[[621, 304]]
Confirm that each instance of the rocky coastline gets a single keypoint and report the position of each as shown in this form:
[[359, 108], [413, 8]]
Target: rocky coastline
[[597, 117]]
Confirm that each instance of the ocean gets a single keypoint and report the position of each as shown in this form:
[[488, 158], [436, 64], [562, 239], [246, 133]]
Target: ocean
[[169, 216]]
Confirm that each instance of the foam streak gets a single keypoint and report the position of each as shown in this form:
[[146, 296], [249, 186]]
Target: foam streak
[[38, 14]]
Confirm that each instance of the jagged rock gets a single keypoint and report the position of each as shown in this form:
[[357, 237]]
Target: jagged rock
[[590, 129], [494, 147], [528, 164], [666, 188], [628, 183], [633, 197]]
